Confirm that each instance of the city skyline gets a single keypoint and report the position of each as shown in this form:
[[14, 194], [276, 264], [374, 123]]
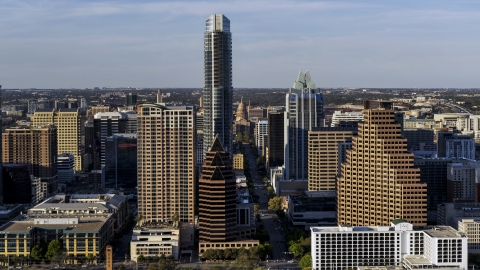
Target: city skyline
[[80, 44]]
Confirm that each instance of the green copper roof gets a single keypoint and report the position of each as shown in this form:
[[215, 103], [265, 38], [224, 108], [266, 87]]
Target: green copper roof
[[304, 80], [397, 221]]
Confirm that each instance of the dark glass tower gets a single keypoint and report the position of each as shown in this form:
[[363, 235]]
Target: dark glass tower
[[217, 91]]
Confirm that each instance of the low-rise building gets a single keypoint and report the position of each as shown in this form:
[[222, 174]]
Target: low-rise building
[[312, 209], [398, 245], [465, 217], [81, 204], [155, 241], [80, 236]]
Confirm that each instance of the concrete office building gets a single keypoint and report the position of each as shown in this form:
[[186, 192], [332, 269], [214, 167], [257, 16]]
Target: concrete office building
[[397, 245], [83, 223], [83, 104], [463, 181], [379, 182], [304, 112], [166, 163], [83, 235], [67, 122], [39, 190], [218, 89], [32, 106], [275, 137], [449, 214], [323, 156], [35, 147], [78, 204], [465, 217], [99, 109], [339, 116], [460, 147], [261, 133], [455, 146], [342, 155], [257, 112], [155, 242], [238, 161]]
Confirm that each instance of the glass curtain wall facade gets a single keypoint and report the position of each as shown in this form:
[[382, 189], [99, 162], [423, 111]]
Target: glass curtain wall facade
[[217, 91]]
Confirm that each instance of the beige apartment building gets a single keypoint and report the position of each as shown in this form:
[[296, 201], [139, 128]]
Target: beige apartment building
[[166, 163], [35, 147], [378, 183], [68, 125], [323, 156]]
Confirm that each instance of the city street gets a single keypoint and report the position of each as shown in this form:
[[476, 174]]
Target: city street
[[269, 219]]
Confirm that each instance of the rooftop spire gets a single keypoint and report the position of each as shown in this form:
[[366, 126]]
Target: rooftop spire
[[303, 81]]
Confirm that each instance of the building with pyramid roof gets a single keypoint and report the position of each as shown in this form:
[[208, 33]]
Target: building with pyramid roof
[[217, 196]]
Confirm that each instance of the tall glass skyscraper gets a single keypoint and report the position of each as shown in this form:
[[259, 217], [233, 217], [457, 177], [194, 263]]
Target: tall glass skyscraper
[[304, 112], [217, 91]]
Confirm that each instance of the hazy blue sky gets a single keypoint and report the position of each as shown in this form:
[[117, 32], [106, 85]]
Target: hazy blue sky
[[83, 43]]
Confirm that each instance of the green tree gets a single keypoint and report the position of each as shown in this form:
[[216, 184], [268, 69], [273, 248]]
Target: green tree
[[295, 235], [243, 261], [152, 266], [265, 179], [262, 235], [246, 137], [90, 257], [230, 253], [121, 267], [54, 249], [209, 254], [219, 254], [141, 259], [138, 218], [297, 249], [305, 261], [275, 203], [38, 251], [175, 220], [239, 137], [166, 263], [256, 207]]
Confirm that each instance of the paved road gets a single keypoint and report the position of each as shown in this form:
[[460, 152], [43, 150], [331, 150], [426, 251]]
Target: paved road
[[269, 220]]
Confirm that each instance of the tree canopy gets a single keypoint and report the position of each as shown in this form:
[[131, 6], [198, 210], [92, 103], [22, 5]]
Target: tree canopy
[[305, 261], [275, 203], [54, 249]]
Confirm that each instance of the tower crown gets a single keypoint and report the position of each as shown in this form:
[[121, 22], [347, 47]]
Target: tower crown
[[217, 23]]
